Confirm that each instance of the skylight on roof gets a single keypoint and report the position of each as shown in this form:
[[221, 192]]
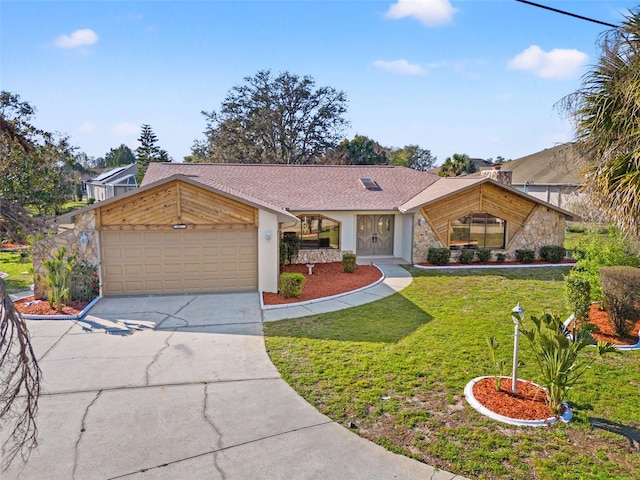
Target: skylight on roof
[[370, 184]]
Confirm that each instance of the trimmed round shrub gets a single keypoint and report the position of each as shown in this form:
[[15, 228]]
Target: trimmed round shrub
[[467, 256], [525, 256], [552, 253], [291, 284], [348, 262], [438, 256], [500, 258], [484, 255]]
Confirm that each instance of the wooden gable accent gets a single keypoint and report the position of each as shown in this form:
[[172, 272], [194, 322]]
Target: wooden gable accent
[[174, 203], [484, 198]]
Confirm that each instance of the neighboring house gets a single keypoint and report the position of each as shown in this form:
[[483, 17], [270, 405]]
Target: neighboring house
[[217, 227], [112, 183], [553, 175]]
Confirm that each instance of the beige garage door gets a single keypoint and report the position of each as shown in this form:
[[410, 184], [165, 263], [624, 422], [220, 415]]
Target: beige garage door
[[178, 261]]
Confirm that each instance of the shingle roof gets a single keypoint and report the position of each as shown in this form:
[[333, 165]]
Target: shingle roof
[[304, 187], [443, 187], [557, 165]]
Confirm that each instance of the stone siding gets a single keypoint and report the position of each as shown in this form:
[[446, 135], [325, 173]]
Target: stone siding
[[423, 238], [70, 239], [500, 176], [544, 227], [321, 255]]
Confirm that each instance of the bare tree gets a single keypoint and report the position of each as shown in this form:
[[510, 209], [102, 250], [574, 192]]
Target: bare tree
[[19, 383]]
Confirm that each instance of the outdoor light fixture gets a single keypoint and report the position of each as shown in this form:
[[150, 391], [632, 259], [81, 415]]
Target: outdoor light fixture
[[267, 235], [179, 226], [84, 240], [517, 315], [421, 221]]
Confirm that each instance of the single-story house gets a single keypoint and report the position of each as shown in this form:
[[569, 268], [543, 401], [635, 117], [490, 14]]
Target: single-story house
[[218, 227], [112, 183], [553, 175]]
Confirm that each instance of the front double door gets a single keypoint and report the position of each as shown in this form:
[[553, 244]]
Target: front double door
[[375, 235]]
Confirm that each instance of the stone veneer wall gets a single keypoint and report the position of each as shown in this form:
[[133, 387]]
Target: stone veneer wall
[[501, 176], [544, 227], [321, 255], [69, 239], [423, 238]]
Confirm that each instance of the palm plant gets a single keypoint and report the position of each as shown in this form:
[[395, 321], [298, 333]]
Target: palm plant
[[558, 355], [607, 121], [58, 278]]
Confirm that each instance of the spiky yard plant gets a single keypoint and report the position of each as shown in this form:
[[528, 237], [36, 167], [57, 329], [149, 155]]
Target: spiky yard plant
[[559, 355], [498, 365], [58, 278]]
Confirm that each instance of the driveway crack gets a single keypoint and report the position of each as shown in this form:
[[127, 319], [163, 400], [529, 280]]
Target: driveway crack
[[156, 357], [218, 443], [175, 315], [82, 429]]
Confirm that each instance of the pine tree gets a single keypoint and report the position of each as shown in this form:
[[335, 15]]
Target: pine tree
[[148, 151]]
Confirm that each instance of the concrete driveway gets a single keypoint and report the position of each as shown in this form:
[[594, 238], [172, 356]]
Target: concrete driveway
[[180, 387]]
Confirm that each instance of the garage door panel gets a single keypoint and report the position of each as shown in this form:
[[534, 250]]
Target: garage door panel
[[178, 261]]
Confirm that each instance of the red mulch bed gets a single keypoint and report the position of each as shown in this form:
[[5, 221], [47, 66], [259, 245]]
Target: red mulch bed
[[42, 307], [12, 245], [327, 279], [600, 318], [567, 261], [528, 404]]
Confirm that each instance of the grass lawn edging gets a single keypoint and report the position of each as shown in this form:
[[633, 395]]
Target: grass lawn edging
[[476, 405], [77, 316], [623, 348], [321, 299]]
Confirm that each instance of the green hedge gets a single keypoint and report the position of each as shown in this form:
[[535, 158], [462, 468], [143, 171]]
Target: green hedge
[[291, 284], [552, 253], [621, 293], [438, 256], [525, 256]]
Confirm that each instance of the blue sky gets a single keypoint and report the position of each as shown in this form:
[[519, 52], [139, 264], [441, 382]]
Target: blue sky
[[476, 77]]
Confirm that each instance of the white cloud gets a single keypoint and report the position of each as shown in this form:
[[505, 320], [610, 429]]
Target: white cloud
[[125, 128], [558, 63], [87, 127], [400, 66], [79, 38], [431, 13]]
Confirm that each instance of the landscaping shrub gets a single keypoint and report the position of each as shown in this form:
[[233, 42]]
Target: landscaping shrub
[[525, 256], [467, 256], [58, 278], [85, 283], [552, 253], [438, 256], [621, 294], [289, 247], [497, 365], [558, 355], [578, 292], [500, 258], [484, 255], [348, 262], [595, 250], [291, 284], [91, 201]]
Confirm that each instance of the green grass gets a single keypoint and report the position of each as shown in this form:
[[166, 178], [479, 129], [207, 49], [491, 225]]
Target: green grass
[[17, 266], [397, 369]]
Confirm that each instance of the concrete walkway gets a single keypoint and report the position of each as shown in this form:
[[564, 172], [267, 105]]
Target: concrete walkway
[[395, 279], [191, 394]]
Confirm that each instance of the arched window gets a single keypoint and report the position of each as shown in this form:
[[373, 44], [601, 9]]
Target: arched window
[[314, 231], [478, 230]]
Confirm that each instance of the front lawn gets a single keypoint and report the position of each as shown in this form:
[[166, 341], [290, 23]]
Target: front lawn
[[396, 369], [17, 264]]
